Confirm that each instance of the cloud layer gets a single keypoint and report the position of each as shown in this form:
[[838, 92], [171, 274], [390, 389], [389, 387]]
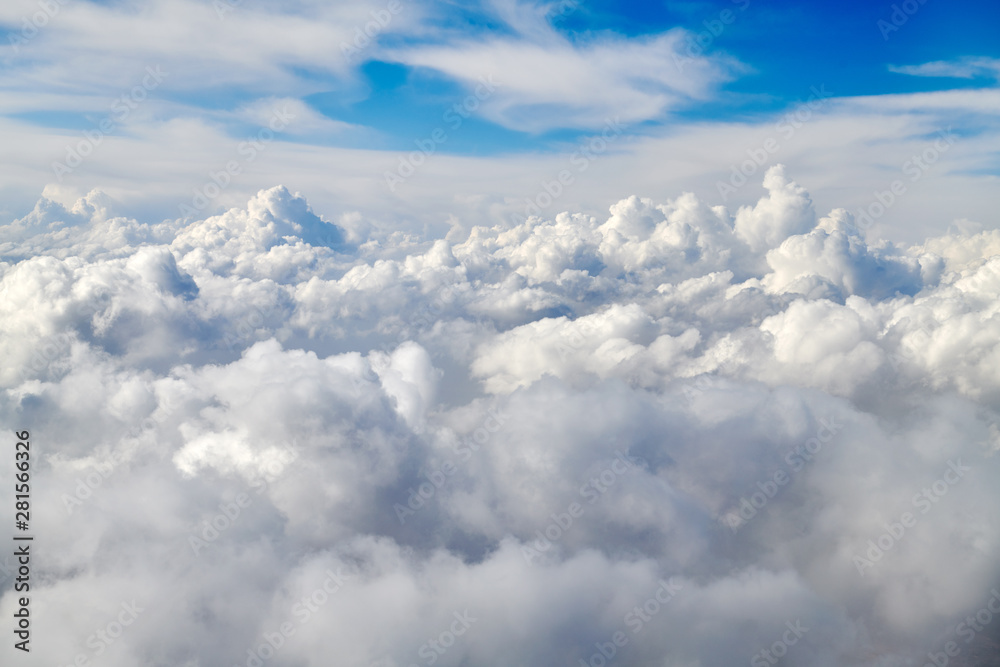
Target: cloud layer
[[281, 439]]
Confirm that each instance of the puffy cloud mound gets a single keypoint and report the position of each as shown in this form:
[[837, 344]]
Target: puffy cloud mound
[[786, 211], [678, 435]]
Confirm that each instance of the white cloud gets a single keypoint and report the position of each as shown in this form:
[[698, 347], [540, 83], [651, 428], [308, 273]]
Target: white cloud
[[846, 154], [965, 68], [787, 211], [549, 83], [569, 411], [304, 120]]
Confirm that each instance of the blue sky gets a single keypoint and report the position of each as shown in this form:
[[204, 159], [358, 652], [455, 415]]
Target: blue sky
[[786, 48], [562, 70], [773, 53]]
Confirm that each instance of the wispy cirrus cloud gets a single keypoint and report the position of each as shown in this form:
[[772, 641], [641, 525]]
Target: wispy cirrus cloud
[[550, 81], [963, 68]]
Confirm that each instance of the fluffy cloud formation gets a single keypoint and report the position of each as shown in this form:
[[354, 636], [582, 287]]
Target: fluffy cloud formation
[[269, 440]]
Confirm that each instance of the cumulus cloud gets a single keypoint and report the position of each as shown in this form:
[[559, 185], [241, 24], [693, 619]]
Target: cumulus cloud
[[786, 211], [274, 439]]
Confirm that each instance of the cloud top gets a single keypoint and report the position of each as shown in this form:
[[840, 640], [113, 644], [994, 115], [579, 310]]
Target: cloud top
[[506, 441]]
